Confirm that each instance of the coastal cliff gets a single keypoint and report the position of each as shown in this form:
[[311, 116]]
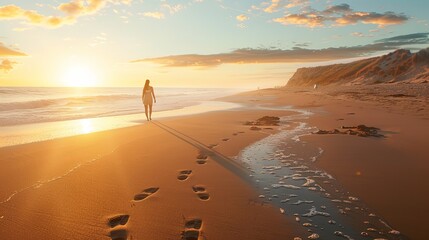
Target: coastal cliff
[[398, 66]]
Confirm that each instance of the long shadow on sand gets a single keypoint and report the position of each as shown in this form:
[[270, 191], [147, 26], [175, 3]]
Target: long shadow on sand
[[223, 160]]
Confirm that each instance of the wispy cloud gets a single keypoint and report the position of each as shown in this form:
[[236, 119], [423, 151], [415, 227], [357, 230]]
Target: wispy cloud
[[241, 18], [172, 9], [157, 15], [340, 15], [278, 5], [415, 38], [6, 65], [360, 34], [294, 55], [68, 12], [8, 52]]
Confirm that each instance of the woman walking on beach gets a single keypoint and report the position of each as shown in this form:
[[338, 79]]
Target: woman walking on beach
[[148, 97]]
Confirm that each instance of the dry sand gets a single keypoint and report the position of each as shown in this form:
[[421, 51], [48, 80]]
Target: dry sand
[[125, 182]]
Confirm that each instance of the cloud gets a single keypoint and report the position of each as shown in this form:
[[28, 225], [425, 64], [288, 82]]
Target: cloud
[[359, 34], [296, 3], [242, 18], [415, 38], [172, 9], [6, 65], [7, 52], [157, 15], [296, 54], [380, 19], [70, 12], [340, 15], [277, 5], [273, 7]]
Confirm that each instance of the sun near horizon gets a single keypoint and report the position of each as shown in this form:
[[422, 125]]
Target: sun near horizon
[[194, 43]]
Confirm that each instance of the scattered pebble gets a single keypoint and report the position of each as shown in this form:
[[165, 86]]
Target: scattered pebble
[[394, 232], [365, 234], [307, 224], [282, 211], [301, 202], [353, 198], [313, 236], [313, 212]]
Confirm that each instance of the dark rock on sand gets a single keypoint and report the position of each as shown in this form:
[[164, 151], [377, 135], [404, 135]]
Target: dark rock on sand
[[265, 121], [360, 130]]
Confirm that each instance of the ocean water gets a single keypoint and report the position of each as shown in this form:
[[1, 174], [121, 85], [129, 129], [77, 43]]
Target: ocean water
[[34, 105], [37, 114]]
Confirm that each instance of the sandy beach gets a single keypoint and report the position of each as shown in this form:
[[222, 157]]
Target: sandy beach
[[386, 173], [180, 177], [70, 188], [214, 120]]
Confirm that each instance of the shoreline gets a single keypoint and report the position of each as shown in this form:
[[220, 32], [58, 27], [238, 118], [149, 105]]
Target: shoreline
[[41, 131], [224, 133], [384, 173]]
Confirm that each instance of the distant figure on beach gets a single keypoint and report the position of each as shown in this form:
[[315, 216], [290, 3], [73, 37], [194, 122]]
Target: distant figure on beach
[[148, 97], [315, 86]]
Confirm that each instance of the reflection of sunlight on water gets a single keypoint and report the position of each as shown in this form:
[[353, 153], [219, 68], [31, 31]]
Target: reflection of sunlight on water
[[20, 134], [86, 126]]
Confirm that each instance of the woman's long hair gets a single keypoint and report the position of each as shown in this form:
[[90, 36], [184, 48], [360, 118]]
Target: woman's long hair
[[146, 85]]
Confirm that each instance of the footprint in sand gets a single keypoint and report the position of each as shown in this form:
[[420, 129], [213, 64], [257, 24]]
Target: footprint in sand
[[201, 158], [184, 174], [225, 139], [145, 193], [201, 192], [119, 234], [114, 222], [192, 229], [118, 220]]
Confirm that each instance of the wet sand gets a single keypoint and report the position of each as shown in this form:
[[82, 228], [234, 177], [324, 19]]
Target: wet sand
[[387, 174]]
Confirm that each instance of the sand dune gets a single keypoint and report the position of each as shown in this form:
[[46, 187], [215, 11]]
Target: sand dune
[[400, 66]]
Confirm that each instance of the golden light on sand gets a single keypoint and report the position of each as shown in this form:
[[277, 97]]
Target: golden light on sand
[[79, 76]]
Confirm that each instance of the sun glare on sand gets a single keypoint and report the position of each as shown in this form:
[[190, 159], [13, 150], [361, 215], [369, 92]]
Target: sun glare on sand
[[79, 76]]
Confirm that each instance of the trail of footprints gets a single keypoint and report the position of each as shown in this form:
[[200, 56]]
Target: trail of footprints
[[192, 228]]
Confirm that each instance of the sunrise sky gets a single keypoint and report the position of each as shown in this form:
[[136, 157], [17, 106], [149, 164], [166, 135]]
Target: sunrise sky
[[195, 43]]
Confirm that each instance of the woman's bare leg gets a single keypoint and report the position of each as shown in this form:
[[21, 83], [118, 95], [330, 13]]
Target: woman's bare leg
[[150, 111], [145, 111]]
